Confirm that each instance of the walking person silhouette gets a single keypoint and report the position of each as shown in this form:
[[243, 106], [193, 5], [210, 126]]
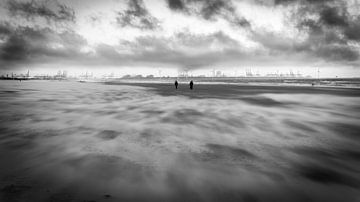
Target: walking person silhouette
[[191, 84], [176, 84]]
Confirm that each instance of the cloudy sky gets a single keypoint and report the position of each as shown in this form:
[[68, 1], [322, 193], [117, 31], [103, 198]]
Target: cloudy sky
[[132, 36]]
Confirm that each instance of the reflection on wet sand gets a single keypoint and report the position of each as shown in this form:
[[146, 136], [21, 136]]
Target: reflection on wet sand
[[64, 141]]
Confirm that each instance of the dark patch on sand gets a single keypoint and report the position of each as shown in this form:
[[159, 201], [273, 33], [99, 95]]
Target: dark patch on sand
[[232, 121], [325, 175], [352, 154], [36, 119], [61, 197], [19, 143], [345, 129], [147, 134], [187, 112], [74, 110], [226, 153], [150, 137], [186, 116], [297, 134], [335, 158], [47, 100], [313, 152], [14, 192], [15, 189], [4, 130], [153, 112], [300, 126], [262, 101], [272, 175], [9, 91], [106, 167], [180, 188], [28, 89], [108, 134], [105, 112], [219, 126], [132, 108], [249, 198], [18, 117]]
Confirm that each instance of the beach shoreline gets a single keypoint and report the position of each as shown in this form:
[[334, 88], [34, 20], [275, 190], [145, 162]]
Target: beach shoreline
[[71, 141]]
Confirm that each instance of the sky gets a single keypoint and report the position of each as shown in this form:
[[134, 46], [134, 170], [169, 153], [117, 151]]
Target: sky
[[168, 37]]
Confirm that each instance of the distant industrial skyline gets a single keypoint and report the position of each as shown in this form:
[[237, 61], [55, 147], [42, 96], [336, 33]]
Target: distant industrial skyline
[[237, 72]]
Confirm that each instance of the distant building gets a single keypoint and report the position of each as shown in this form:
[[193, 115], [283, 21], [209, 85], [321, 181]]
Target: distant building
[[249, 73], [64, 74], [272, 75], [126, 76], [139, 76]]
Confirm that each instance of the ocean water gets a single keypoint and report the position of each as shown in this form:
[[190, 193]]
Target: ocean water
[[70, 141]]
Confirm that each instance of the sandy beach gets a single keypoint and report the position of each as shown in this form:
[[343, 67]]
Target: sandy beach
[[71, 141]]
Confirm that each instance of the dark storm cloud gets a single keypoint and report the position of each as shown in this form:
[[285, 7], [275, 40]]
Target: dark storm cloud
[[273, 42], [338, 52], [137, 16], [331, 14], [209, 10], [203, 40], [154, 51], [328, 45], [185, 61], [30, 44], [282, 2], [15, 48], [352, 32], [330, 28], [176, 4], [334, 16], [183, 41], [5, 28], [49, 10]]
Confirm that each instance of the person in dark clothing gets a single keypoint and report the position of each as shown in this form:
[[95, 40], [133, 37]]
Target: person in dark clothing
[[176, 84], [191, 84]]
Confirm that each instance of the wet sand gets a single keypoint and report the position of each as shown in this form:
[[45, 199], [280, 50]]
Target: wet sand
[[68, 141]]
